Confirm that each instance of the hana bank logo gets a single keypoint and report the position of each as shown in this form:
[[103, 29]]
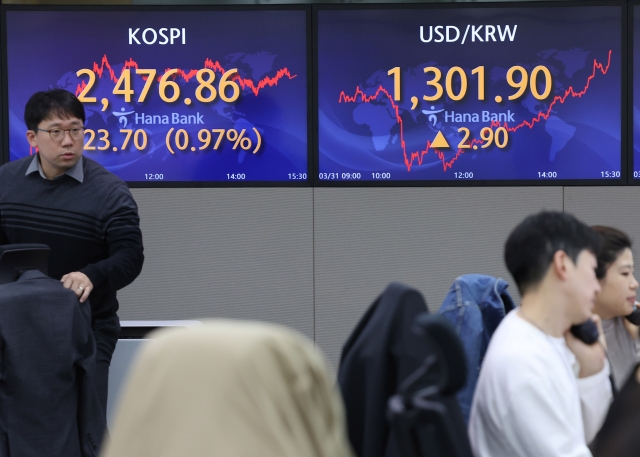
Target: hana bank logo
[[432, 114], [122, 117]]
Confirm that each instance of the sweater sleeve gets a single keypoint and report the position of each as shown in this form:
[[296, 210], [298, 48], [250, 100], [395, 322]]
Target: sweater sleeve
[[121, 225]]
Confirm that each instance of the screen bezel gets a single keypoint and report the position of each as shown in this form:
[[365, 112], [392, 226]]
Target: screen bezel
[[631, 181], [4, 89], [624, 136]]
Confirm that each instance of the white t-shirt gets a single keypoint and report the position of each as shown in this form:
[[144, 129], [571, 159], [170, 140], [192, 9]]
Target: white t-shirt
[[529, 400]]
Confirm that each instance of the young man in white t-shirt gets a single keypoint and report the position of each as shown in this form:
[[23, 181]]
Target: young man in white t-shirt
[[541, 391]]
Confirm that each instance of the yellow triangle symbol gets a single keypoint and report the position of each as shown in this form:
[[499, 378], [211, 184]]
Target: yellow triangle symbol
[[440, 142]]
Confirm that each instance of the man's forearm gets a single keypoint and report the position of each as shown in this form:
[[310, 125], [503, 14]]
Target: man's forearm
[[117, 271], [124, 244]]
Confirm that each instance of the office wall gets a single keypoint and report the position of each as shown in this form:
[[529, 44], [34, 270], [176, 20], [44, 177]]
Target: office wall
[[234, 253], [614, 206], [314, 259]]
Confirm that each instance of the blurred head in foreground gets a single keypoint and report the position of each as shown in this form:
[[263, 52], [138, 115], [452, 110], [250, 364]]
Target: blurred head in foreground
[[229, 388]]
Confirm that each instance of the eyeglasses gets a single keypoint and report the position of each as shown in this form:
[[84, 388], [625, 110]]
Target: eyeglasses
[[58, 134]]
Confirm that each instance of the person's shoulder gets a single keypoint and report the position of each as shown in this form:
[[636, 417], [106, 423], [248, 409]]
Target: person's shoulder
[[513, 328], [95, 173], [16, 167], [516, 343], [108, 191]]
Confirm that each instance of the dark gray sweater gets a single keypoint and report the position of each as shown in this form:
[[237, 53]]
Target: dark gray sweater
[[92, 227]]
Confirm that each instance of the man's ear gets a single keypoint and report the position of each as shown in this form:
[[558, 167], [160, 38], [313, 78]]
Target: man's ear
[[31, 138], [559, 264]]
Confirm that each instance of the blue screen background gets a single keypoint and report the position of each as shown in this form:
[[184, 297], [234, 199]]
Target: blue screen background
[[47, 48], [579, 139]]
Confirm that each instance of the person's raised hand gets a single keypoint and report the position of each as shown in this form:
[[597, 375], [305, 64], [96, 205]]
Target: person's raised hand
[[79, 283], [591, 357]]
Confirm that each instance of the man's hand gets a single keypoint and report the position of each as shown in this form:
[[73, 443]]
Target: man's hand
[[79, 283], [591, 358]]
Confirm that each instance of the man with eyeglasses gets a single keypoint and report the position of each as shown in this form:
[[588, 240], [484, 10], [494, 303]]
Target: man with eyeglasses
[[85, 214]]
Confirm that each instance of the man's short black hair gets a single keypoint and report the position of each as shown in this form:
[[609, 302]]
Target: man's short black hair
[[55, 102], [614, 241], [530, 248]]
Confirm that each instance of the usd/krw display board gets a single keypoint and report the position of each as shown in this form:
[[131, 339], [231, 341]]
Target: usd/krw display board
[[496, 93]]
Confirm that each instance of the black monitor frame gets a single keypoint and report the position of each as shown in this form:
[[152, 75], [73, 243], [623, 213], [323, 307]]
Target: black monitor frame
[[4, 89], [630, 94], [312, 96], [624, 138]]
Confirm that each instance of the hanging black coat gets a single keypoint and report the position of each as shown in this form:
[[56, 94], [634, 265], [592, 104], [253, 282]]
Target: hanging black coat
[[381, 352], [620, 434], [48, 402]]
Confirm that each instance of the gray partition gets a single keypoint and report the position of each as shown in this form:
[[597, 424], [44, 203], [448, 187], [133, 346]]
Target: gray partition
[[125, 355], [123, 359], [424, 237], [614, 206], [314, 259], [219, 252]]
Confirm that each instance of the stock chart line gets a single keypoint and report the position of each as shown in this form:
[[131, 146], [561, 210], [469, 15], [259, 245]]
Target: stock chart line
[[447, 164], [267, 81]]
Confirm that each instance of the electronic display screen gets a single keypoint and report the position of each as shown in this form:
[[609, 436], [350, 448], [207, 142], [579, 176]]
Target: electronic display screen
[[636, 94], [216, 96], [515, 93]]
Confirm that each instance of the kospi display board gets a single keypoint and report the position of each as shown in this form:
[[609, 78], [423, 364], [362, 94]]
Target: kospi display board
[[431, 94], [172, 96]]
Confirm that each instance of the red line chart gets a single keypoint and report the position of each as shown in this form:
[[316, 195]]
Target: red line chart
[[418, 156], [105, 68]]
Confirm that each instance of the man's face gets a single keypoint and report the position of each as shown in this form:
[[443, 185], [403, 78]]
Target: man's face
[[56, 157], [583, 286]]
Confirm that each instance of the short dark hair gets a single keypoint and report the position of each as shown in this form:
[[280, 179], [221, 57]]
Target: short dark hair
[[55, 102], [614, 241], [530, 248]]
